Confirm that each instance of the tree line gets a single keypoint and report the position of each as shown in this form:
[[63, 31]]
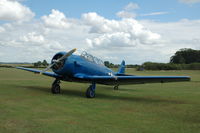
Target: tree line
[[40, 64], [186, 56], [168, 66], [183, 59]]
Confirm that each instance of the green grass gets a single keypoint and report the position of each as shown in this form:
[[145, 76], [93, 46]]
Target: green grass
[[27, 106]]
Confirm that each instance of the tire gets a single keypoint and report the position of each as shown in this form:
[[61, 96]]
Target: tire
[[55, 89], [116, 87], [90, 93]]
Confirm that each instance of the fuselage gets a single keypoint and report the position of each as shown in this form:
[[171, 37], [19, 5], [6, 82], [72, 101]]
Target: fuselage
[[76, 64]]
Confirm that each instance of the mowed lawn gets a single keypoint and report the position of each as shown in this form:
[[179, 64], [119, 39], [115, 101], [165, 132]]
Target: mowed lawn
[[27, 105]]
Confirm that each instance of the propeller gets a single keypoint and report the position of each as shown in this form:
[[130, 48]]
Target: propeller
[[54, 62]]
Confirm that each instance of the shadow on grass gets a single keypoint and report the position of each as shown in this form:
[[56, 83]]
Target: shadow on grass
[[195, 81], [78, 93]]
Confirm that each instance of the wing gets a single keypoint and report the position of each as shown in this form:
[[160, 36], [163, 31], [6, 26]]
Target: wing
[[112, 80], [51, 74]]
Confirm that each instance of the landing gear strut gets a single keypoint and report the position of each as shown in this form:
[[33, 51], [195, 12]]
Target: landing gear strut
[[90, 93], [55, 89], [116, 87]]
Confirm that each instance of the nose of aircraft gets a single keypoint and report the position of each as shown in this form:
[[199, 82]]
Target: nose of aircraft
[[58, 61]]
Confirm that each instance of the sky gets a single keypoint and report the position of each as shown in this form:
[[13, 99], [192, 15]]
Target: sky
[[132, 30]]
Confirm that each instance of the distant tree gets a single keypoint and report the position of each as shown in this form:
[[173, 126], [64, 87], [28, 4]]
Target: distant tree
[[44, 63], [132, 66], [186, 56], [110, 65], [37, 64], [107, 63]]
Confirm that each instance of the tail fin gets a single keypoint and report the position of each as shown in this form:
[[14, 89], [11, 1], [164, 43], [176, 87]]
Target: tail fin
[[121, 69]]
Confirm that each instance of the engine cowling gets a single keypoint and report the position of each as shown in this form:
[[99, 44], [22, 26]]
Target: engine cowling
[[58, 67], [58, 62]]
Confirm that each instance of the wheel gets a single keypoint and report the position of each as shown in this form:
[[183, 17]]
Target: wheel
[[116, 87], [55, 89], [90, 93]]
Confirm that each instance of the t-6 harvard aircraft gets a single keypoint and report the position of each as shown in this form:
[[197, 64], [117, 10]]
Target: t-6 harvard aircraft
[[87, 68]]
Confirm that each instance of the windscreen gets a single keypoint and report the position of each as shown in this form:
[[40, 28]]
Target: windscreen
[[92, 58]]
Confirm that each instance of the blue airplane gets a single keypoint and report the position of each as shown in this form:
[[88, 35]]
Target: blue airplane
[[86, 68]]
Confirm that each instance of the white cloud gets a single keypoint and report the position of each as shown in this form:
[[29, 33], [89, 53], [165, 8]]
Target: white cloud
[[13, 10], [18, 0], [32, 41], [136, 44], [33, 38], [180, 34], [154, 13], [128, 11], [122, 33], [135, 41], [125, 14], [98, 23], [189, 1], [2, 29], [131, 6], [56, 19], [118, 39]]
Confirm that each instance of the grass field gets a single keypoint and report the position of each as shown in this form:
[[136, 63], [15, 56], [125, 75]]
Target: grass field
[[27, 106]]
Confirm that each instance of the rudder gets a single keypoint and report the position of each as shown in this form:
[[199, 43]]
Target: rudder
[[121, 69]]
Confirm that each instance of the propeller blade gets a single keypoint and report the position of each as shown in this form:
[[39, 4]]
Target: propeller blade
[[46, 69], [67, 54]]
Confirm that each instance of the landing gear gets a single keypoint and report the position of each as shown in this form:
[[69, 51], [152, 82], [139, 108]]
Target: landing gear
[[55, 89], [116, 87], [90, 93]]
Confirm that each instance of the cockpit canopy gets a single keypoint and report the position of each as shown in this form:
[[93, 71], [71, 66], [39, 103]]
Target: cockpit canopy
[[91, 58]]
